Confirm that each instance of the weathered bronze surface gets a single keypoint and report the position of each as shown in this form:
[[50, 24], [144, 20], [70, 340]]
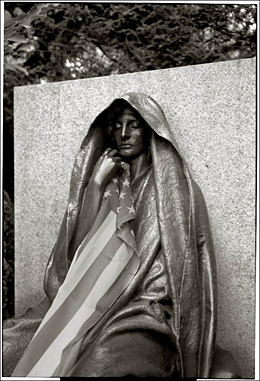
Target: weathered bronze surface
[[164, 323]]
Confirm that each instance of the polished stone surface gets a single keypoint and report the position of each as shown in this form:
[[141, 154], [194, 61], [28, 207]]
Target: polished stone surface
[[211, 109]]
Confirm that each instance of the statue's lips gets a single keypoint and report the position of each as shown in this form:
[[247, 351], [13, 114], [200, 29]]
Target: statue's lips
[[124, 146]]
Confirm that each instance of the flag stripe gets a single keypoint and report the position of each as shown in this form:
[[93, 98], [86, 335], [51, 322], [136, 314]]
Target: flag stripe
[[117, 287], [113, 291], [102, 235], [98, 223], [71, 351], [51, 358], [83, 263], [127, 236], [63, 314]]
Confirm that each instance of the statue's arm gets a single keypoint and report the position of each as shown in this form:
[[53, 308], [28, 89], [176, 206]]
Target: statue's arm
[[56, 270], [104, 170]]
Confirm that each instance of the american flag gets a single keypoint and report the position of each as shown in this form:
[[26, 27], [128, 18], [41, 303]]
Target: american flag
[[103, 266]]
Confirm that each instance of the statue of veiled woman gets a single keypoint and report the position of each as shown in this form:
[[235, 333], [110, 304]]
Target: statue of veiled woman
[[131, 281]]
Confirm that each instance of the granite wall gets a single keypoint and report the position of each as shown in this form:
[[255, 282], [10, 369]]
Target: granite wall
[[211, 109]]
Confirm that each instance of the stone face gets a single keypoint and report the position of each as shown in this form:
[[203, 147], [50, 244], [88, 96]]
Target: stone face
[[211, 109]]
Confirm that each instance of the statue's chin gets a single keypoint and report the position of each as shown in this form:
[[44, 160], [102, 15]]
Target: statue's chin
[[126, 152], [128, 155]]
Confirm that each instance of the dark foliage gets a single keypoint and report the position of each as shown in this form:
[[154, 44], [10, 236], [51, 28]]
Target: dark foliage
[[8, 260]]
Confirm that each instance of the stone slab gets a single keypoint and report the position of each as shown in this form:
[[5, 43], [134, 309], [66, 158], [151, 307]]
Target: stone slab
[[211, 108]]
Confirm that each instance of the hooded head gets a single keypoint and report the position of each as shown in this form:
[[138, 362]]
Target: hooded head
[[125, 129], [143, 117]]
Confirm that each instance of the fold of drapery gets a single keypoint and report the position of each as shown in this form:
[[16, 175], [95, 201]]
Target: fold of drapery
[[103, 266]]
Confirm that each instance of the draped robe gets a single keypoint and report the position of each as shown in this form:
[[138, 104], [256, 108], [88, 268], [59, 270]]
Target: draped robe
[[172, 234]]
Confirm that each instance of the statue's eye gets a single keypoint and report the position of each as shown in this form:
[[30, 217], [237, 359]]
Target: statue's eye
[[117, 126], [135, 124]]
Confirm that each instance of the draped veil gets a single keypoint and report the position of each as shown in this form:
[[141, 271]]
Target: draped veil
[[184, 231]]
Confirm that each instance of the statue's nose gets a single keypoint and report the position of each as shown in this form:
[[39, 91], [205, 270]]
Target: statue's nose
[[125, 132]]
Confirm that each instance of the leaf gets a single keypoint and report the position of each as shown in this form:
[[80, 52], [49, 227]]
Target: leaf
[[22, 69], [34, 13], [26, 48], [18, 38], [15, 68], [8, 33], [35, 10], [9, 67], [21, 60], [18, 12], [26, 22], [8, 20], [13, 45], [27, 18], [14, 61]]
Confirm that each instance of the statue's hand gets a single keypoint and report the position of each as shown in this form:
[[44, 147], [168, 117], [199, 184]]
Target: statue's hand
[[106, 167]]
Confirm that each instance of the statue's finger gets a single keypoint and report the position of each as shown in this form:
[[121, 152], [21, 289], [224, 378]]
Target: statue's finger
[[116, 159], [112, 153], [107, 150]]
